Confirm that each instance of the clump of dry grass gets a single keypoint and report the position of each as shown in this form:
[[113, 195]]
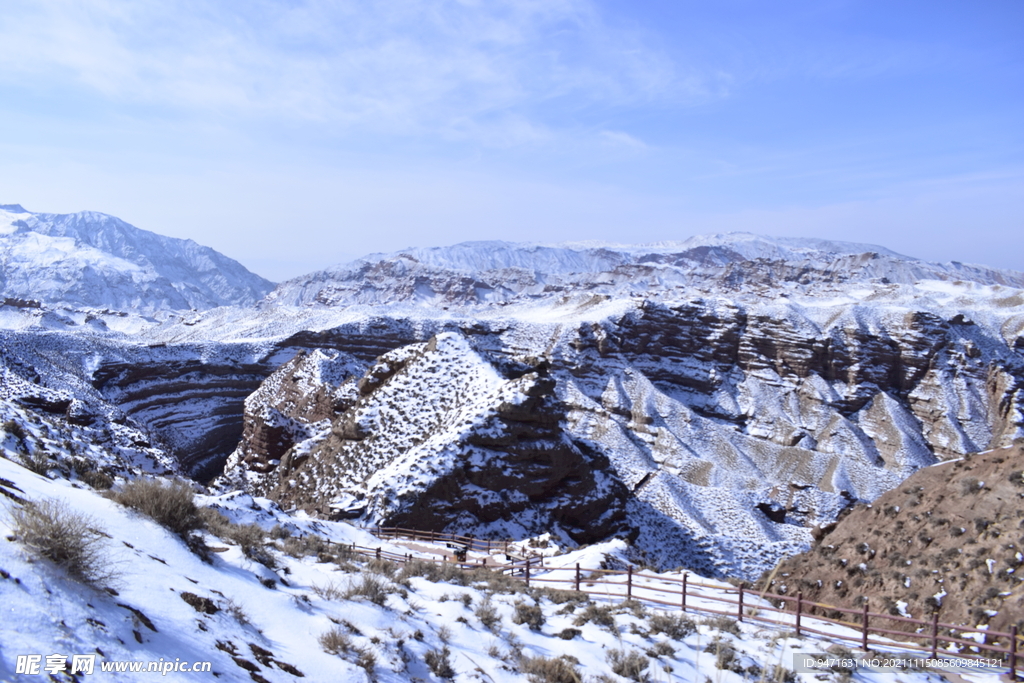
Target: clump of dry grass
[[550, 669], [69, 539], [171, 505]]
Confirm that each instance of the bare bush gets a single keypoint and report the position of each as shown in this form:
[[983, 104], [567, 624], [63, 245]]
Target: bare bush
[[237, 612], [488, 614], [550, 669], [170, 505], [662, 649], [631, 665], [676, 626], [328, 591], [366, 660], [561, 597], [383, 567], [725, 624], [436, 572], [602, 615], [373, 588], [439, 662], [531, 615], [38, 462], [97, 479], [69, 539], [335, 642]]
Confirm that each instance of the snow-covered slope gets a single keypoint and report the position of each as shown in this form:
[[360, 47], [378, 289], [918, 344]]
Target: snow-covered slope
[[475, 273], [310, 611], [91, 259]]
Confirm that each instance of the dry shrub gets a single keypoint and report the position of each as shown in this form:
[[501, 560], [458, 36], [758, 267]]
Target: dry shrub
[[436, 572], [440, 663], [531, 615], [631, 665], [97, 479], [366, 660], [550, 669], [602, 615], [328, 591], [69, 539], [723, 624], [488, 615], [373, 588], [560, 597], [335, 642], [676, 627], [662, 649], [250, 538], [383, 567], [172, 505]]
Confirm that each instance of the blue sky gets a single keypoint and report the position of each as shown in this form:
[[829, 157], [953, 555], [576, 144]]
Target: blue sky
[[295, 134]]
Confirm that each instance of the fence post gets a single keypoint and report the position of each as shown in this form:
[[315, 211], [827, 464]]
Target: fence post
[[935, 634], [629, 582], [527, 572], [685, 574], [488, 546], [577, 577], [378, 553], [864, 629], [799, 608], [1013, 652], [431, 535], [740, 610]]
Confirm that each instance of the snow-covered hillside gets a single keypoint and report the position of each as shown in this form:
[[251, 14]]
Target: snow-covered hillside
[[89, 259], [280, 600]]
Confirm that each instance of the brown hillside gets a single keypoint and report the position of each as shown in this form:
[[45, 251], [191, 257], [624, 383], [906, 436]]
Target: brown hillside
[[950, 538]]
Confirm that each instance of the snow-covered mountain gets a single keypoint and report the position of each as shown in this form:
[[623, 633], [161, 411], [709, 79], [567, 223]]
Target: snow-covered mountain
[[474, 273], [90, 259], [725, 394]]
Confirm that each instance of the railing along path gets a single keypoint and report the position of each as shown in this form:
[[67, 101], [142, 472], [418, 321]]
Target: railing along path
[[937, 639]]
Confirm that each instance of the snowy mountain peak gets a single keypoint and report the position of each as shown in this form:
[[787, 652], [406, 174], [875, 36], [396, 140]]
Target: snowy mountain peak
[[473, 273], [96, 260]]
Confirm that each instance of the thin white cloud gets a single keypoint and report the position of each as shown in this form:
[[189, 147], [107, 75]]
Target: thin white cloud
[[618, 138], [458, 68]]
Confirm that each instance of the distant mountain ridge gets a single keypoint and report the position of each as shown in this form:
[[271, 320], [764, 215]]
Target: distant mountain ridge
[[95, 260], [500, 272]]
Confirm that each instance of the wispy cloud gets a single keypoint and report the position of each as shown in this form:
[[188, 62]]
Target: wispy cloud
[[459, 68]]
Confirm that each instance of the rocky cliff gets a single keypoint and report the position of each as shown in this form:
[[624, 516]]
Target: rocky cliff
[[733, 425], [431, 437]]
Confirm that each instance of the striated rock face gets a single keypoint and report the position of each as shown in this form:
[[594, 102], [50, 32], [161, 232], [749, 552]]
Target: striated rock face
[[291, 405], [949, 539], [192, 406], [733, 426], [433, 437]]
